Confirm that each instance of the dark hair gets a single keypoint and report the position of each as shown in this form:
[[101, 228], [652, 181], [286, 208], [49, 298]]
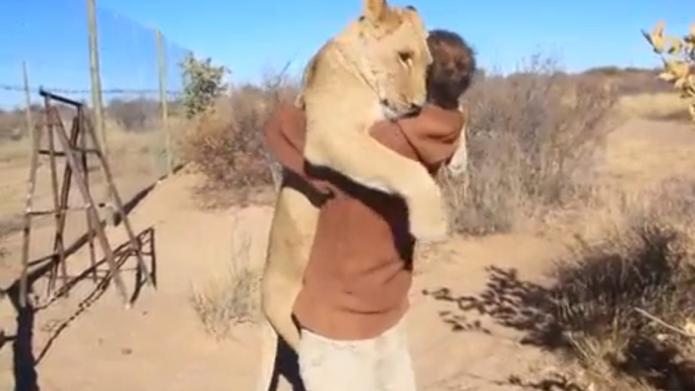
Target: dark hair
[[452, 69]]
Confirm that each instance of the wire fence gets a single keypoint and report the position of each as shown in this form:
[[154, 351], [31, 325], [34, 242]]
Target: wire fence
[[47, 45]]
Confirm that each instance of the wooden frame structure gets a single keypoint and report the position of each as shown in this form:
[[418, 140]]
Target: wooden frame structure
[[76, 169]]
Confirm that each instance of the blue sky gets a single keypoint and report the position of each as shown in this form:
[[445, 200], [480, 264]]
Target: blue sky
[[251, 37]]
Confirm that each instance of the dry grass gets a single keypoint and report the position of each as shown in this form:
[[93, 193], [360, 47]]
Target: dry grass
[[631, 81], [230, 299], [15, 151], [645, 261], [657, 106], [137, 160], [589, 308], [120, 141], [147, 137], [532, 141]]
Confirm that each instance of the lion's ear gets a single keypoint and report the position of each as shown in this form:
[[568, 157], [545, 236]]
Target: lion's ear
[[375, 10]]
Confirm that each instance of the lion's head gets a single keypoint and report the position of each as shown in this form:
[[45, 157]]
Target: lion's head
[[394, 44]]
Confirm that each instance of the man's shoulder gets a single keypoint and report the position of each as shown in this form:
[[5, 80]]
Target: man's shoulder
[[434, 124], [434, 133]]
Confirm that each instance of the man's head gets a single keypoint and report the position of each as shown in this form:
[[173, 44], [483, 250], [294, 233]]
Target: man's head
[[452, 69]]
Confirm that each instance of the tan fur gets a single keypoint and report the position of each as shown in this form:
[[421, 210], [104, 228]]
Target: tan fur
[[289, 245], [374, 69], [359, 78]]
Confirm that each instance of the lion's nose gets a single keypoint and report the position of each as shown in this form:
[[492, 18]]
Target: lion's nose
[[415, 107]]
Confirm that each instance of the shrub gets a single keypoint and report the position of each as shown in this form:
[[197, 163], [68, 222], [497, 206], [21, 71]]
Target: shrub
[[134, 115], [601, 298], [532, 139], [621, 305], [227, 142], [203, 83]]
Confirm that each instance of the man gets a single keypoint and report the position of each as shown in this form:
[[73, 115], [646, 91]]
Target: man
[[356, 283]]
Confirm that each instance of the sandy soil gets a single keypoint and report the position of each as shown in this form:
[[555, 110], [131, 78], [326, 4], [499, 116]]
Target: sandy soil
[[92, 342]]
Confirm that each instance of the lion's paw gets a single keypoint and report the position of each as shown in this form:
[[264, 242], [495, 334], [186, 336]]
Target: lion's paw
[[428, 222]]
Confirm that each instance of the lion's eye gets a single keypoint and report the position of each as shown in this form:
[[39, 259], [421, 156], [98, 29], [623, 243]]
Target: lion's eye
[[406, 57]]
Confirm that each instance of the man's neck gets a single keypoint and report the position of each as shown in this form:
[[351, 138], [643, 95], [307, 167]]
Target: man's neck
[[444, 103]]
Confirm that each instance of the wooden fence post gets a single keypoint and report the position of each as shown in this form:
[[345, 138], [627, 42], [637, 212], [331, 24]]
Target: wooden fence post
[[163, 98], [27, 99], [95, 75], [97, 99]]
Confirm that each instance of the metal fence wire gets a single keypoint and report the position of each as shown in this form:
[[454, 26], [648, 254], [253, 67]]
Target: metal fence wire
[[139, 81]]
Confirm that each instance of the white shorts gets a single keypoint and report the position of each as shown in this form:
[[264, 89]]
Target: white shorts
[[379, 364]]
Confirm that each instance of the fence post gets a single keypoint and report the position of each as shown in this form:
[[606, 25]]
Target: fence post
[[97, 102], [94, 71], [27, 98], [163, 98]]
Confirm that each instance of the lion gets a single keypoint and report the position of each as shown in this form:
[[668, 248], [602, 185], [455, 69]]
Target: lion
[[374, 69]]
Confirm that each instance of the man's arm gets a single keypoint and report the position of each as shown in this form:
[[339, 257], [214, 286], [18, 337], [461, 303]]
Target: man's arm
[[431, 137], [283, 135]]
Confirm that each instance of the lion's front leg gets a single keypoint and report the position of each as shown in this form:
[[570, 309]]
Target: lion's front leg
[[348, 149]]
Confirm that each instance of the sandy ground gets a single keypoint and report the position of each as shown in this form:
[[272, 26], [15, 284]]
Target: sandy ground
[[94, 343]]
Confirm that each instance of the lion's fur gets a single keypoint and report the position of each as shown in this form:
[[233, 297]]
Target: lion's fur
[[357, 79], [291, 235], [374, 69]]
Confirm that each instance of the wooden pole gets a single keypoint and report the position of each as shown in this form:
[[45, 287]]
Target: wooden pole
[[97, 99], [27, 98], [85, 169], [58, 214], [24, 281], [94, 70], [35, 138], [163, 98]]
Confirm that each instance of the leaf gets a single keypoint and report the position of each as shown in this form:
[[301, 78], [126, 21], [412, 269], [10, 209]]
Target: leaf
[[690, 37], [667, 76], [656, 43], [656, 38], [680, 69], [680, 83], [673, 45], [659, 28]]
